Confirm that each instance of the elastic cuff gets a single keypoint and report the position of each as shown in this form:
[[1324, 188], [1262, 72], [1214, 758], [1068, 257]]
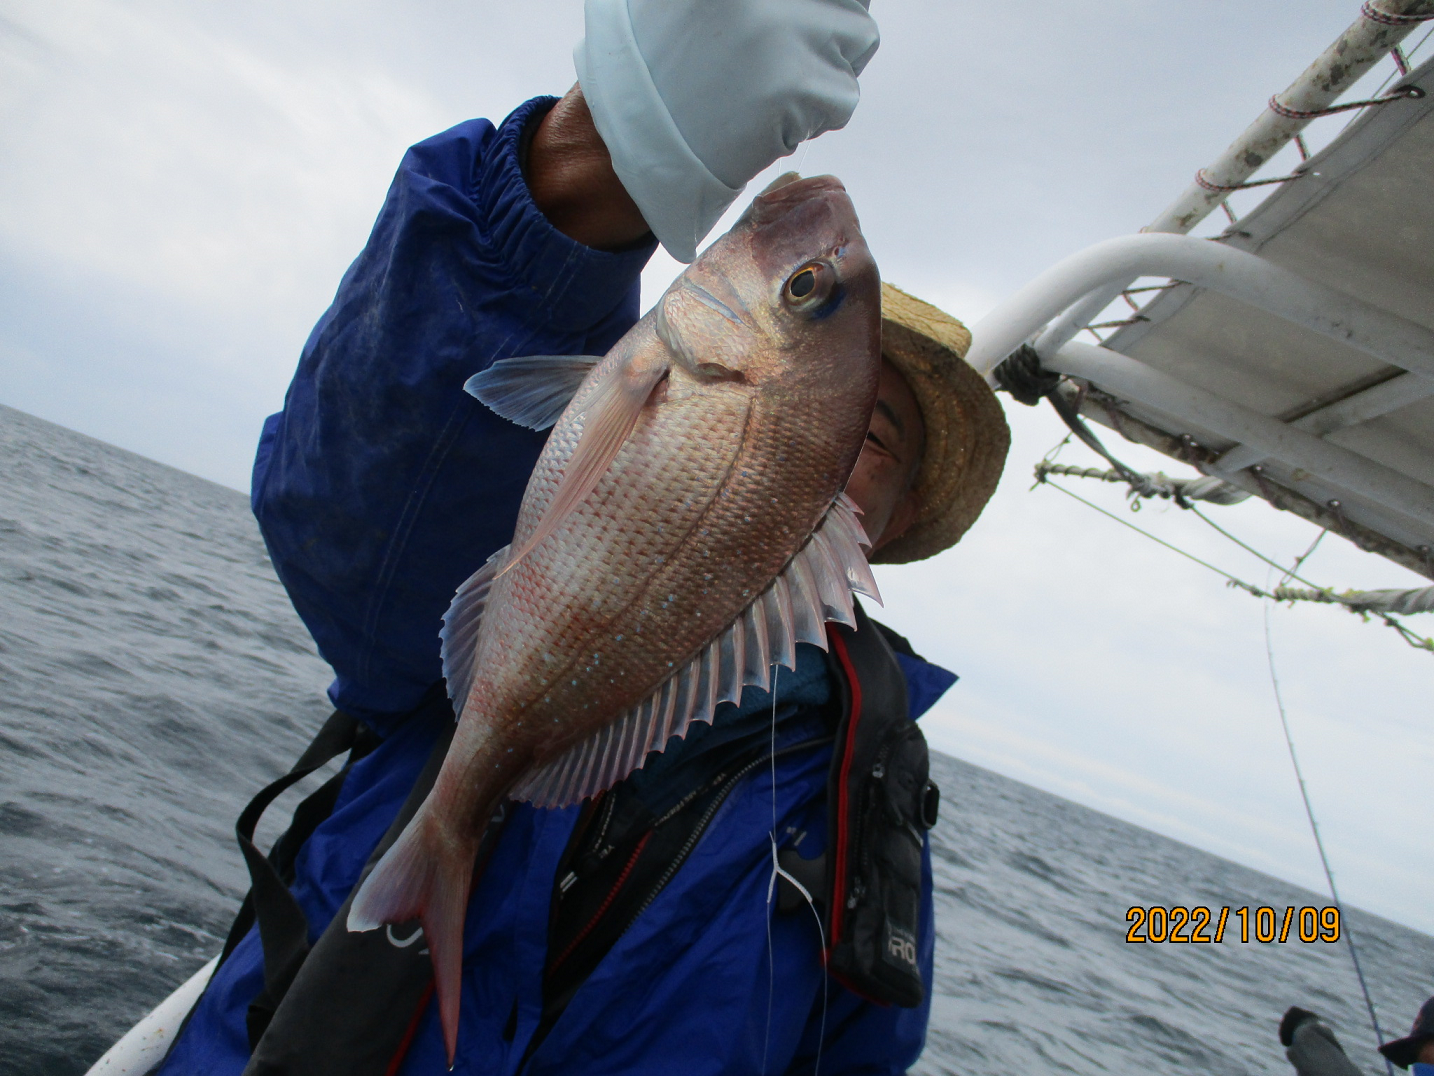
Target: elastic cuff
[[679, 198], [571, 287]]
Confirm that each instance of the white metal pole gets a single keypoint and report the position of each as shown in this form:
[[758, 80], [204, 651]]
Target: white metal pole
[[1357, 475], [1382, 25], [1362, 407], [1242, 276]]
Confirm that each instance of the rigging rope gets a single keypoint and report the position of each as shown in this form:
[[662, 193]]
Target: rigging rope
[[1365, 603], [1155, 484], [1420, 600]]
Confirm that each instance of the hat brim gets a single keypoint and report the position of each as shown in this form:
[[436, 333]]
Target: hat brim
[[966, 433]]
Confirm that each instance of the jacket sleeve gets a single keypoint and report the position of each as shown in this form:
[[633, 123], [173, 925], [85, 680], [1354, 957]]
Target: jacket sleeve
[[382, 485], [861, 1038]]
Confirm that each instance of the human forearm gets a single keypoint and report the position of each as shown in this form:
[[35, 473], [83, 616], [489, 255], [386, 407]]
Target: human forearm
[[572, 181]]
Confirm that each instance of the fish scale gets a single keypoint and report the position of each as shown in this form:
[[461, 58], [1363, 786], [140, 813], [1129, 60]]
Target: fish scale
[[564, 595], [554, 596]]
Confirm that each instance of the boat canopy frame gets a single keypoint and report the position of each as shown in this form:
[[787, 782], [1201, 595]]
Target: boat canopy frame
[[1186, 390]]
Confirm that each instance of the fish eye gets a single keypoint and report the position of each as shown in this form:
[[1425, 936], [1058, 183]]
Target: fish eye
[[808, 282]]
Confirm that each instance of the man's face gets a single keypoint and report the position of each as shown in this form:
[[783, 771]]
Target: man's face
[[881, 482]]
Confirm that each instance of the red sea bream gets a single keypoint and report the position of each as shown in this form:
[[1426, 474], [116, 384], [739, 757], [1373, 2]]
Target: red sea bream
[[683, 529]]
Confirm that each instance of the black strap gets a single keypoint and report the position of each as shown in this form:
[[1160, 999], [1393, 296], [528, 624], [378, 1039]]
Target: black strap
[[307, 816], [354, 1003], [339, 733], [1022, 375], [283, 928]]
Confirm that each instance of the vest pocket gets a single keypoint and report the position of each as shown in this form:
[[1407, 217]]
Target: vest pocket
[[883, 913]]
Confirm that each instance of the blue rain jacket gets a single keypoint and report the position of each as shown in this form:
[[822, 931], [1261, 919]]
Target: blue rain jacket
[[379, 488]]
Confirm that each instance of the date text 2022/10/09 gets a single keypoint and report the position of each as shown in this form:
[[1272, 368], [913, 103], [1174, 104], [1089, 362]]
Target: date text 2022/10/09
[[1204, 924]]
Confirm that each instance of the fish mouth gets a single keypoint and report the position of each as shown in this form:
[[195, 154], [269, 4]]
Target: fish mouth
[[790, 184], [790, 190], [795, 220]]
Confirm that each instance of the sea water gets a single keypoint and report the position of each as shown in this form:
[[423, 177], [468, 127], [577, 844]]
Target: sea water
[[153, 676]]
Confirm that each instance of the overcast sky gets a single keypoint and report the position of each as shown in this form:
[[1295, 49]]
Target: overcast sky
[[182, 185]]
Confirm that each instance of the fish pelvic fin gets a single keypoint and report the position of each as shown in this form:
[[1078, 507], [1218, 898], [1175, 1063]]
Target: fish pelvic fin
[[531, 390], [426, 875], [816, 586], [609, 416]]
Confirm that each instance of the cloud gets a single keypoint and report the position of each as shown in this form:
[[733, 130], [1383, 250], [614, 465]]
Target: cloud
[[150, 151]]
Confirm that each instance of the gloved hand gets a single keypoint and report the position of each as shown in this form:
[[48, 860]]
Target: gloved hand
[[695, 97], [1314, 1051]]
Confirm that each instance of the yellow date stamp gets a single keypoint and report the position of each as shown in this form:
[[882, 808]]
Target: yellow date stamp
[[1203, 924]]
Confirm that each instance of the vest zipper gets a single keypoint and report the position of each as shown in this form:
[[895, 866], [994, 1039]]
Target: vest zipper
[[706, 819], [725, 789]]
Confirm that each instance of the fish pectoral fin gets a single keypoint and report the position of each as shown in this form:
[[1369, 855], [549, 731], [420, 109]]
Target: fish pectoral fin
[[458, 638], [609, 415], [816, 586], [531, 390]]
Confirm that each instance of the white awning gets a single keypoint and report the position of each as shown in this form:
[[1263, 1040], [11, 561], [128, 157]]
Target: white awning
[[1360, 221], [1292, 355]]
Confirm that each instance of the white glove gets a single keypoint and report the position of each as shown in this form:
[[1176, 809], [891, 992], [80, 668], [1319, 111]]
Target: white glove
[[695, 97]]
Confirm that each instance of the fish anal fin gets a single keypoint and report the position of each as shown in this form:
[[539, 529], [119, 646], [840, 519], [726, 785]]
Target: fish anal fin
[[609, 415], [757, 665], [777, 602], [531, 390], [734, 660]]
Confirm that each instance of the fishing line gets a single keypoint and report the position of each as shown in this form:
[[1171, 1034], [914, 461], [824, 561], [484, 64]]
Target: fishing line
[[1288, 574], [771, 957], [777, 872], [801, 160], [1300, 560], [1050, 456], [1232, 580], [1314, 829]]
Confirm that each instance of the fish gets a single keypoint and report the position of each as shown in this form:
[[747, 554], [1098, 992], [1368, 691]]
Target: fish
[[683, 529]]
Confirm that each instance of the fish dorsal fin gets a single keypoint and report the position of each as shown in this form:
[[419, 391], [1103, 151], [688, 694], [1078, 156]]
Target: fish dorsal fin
[[816, 586], [458, 638], [531, 390], [609, 414]]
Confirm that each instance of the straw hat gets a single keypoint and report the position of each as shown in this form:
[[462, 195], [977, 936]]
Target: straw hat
[[966, 432]]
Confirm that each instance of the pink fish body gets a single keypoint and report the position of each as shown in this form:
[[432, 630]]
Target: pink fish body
[[683, 529]]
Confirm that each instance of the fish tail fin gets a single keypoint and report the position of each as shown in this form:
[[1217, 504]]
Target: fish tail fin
[[426, 875]]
